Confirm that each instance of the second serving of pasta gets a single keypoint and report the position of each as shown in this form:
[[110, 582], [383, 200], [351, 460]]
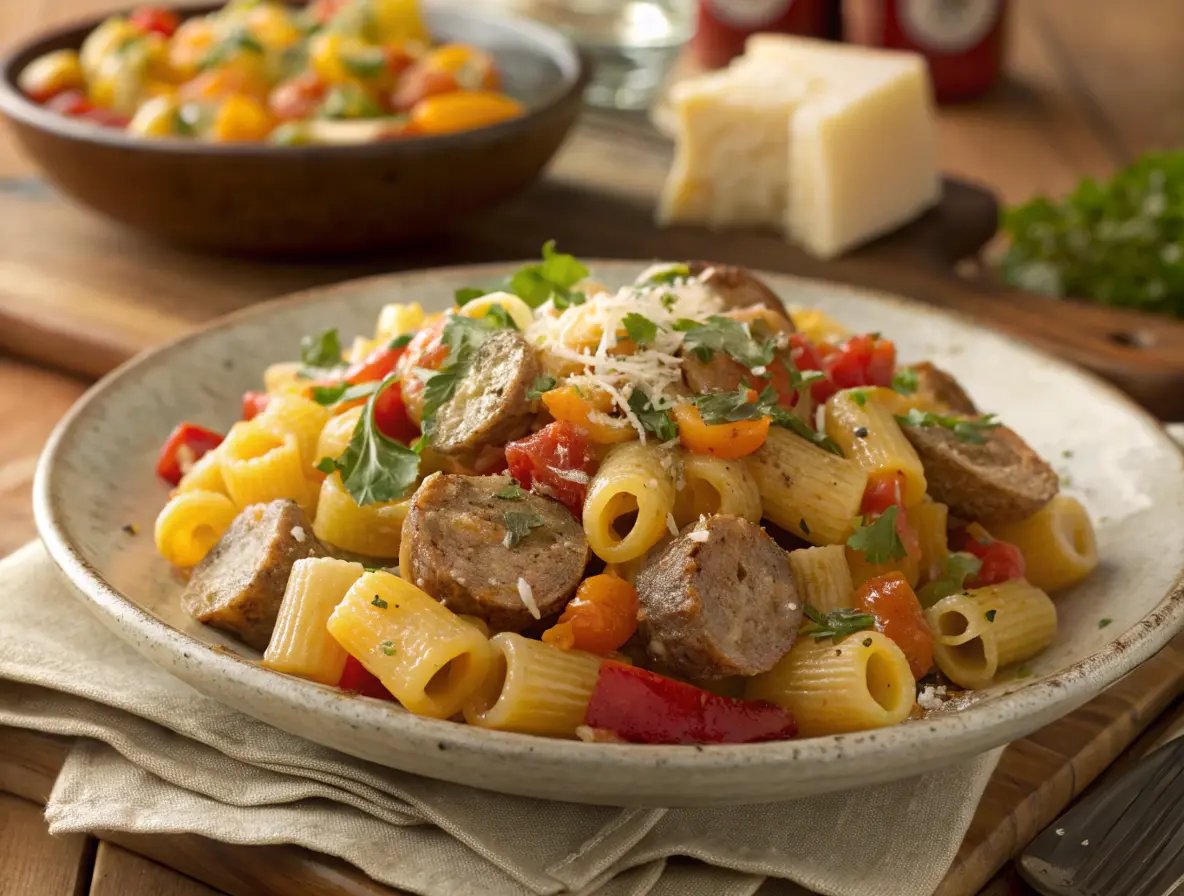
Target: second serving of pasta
[[671, 513]]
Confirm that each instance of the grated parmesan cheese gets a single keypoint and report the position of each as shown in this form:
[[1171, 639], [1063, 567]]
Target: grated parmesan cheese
[[527, 595], [298, 533], [670, 524], [931, 697], [699, 535]]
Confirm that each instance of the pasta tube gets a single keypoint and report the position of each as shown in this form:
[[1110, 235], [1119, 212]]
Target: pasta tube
[[861, 423], [297, 416], [859, 683], [398, 319], [713, 485], [977, 632], [534, 688], [205, 475], [517, 309], [300, 644], [190, 524], [823, 577], [421, 651], [801, 483], [816, 325], [632, 482], [1058, 543], [259, 466], [931, 522], [283, 379], [373, 530]]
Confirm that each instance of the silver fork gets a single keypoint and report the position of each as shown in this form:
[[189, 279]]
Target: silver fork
[[1125, 840]]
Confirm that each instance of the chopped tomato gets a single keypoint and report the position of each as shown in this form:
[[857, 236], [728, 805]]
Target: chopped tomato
[[599, 619], [899, 616], [377, 365], [71, 103], [154, 19], [862, 361], [556, 461], [427, 350], [419, 82], [643, 707], [184, 447], [390, 416], [1002, 560], [297, 98], [355, 677], [883, 492], [254, 404]]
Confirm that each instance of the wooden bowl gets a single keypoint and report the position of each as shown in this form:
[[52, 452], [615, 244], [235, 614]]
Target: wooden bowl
[[263, 199]]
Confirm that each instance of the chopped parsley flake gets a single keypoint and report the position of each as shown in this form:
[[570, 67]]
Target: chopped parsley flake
[[640, 328], [512, 492], [387, 647], [732, 337], [965, 429], [990, 614], [319, 353], [544, 383], [378, 602], [553, 279], [905, 381], [802, 525], [667, 276], [659, 422], [956, 568], [837, 623], [466, 294], [343, 392], [401, 341], [1102, 623], [518, 525], [879, 540]]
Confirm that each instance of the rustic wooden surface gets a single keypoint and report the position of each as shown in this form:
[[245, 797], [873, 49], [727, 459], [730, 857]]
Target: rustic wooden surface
[[1092, 85]]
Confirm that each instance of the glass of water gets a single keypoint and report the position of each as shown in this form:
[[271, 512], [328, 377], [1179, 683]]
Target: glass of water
[[633, 43]]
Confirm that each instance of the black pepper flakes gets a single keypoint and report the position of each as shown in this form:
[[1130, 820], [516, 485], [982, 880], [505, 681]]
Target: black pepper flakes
[[861, 432]]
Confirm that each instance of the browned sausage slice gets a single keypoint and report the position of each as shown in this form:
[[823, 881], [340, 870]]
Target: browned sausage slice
[[718, 601], [738, 287], [489, 406], [455, 548], [999, 481], [240, 584], [724, 374], [939, 390]]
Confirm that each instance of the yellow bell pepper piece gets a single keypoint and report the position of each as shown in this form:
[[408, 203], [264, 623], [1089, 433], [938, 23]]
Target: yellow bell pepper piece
[[462, 110], [241, 118], [51, 74], [156, 118], [104, 42]]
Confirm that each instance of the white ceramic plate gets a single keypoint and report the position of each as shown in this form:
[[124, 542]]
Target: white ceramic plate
[[97, 475]]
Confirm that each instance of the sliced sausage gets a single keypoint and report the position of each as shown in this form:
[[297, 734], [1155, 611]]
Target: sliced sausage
[[455, 548], [489, 406], [240, 584], [718, 601], [939, 390], [738, 287], [724, 374], [999, 481]]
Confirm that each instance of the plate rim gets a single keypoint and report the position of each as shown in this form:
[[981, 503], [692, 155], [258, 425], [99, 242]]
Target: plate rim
[[944, 738]]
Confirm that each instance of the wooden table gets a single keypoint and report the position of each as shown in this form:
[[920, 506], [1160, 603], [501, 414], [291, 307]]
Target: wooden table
[[1092, 85]]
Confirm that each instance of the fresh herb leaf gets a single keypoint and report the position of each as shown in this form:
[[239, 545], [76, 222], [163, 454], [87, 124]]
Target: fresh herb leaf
[[387, 647], [668, 300], [859, 397], [640, 328], [349, 101], [965, 429], [659, 422], [401, 341], [990, 614], [1102, 623], [684, 325], [544, 383], [237, 41], [463, 336], [438, 388], [320, 352], [378, 602], [366, 63], [500, 317], [837, 623], [466, 294], [553, 278], [327, 465], [802, 525], [956, 568], [342, 392], [731, 407], [879, 540], [374, 468], [668, 275], [800, 427], [512, 492], [905, 381], [518, 525], [732, 337]]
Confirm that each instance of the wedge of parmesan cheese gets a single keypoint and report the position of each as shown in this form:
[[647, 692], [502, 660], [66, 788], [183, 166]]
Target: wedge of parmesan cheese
[[832, 145]]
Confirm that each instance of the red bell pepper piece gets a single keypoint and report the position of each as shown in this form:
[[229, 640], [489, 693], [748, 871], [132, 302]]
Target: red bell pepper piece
[[357, 678], [899, 616], [184, 447], [152, 18], [391, 418], [254, 404], [643, 707], [70, 103], [1002, 560], [375, 366], [884, 491], [556, 461]]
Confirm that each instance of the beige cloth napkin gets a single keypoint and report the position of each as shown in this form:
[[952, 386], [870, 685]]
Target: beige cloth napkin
[[160, 757]]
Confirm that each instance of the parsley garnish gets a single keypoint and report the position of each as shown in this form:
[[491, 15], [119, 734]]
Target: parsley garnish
[[544, 383], [640, 328], [965, 429], [732, 337], [378, 602], [466, 294], [553, 278], [668, 300], [401, 341], [342, 392], [802, 525], [990, 614], [240, 39], [319, 353], [879, 540], [798, 426], [956, 568], [374, 468], [837, 623], [366, 63], [731, 407], [463, 336], [666, 276], [1102, 623], [387, 647], [512, 492], [501, 317], [518, 525], [905, 381], [349, 101], [859, 397], [652, 420]]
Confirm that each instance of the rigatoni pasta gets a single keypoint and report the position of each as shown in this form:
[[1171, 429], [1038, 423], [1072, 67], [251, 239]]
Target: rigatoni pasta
[[259, 466], [297, 416], [628, 501], [190, 524], [300, 643], [712, 485], [862, 424], [373, 530], [931, 520], [823, 577], [1057, 542]]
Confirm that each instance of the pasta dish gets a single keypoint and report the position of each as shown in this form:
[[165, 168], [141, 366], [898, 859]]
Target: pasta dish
[[679, 512]]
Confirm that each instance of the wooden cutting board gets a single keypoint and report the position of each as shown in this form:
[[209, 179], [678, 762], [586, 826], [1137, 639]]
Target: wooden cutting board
[[1036, 778]]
